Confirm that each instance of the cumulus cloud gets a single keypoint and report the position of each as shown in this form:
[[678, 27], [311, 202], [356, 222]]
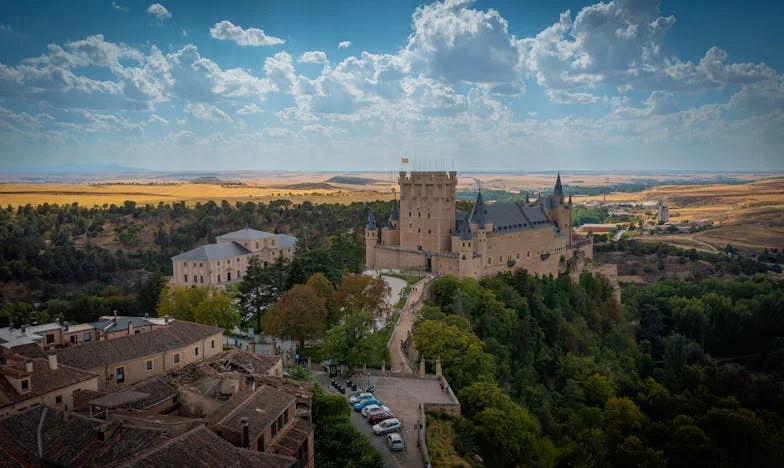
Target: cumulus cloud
[[159, 12], [226, 31], [344, 44], [120, 7], [314, 56], [455, 43]]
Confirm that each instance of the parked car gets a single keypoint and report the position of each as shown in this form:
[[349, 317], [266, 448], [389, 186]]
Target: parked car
[[369, 409], [368, 401], [359, 396], [387, 426], [394, 442], [376, 418]]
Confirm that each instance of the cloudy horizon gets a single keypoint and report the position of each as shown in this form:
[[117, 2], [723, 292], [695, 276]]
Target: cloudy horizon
[[625, 85]]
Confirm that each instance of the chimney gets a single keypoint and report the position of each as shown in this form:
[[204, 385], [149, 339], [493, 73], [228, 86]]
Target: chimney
[[66, 325], [245, 432], [29, 366], [104, 431], [130, 327], [53, 361], [146, 315], [23, 329], [11, 326], [166, 319], [252, 347]]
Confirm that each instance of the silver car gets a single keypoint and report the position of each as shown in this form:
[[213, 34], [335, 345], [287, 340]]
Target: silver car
[[387, 426]]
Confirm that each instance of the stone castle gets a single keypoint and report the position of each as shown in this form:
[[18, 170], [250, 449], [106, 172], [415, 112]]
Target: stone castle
[[425, 231]]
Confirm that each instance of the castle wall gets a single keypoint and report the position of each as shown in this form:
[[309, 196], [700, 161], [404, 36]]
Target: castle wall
[[390, 236], [394, 257], [446, 265]]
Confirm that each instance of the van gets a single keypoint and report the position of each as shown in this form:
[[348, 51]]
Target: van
[[394, 442], [387, 426]]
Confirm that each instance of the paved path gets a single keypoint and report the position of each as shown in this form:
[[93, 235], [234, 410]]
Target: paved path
[[399, 362]]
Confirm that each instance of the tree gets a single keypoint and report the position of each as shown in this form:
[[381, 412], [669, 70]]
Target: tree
[[261, 286], [364, 293], [180, 301], [597, 390], [324, 288], [204, 304], [150, 293], [18, 313], [217, 309], [299, 314], [347, 343]]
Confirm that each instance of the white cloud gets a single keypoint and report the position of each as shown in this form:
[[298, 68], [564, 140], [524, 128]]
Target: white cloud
[[559, 96], [226, 31], [120, 7], [455, 43], [154, 118], [184, 33], [314, 56], [250, 109], [344, 44], [209, 112], [159, 12], [280, 70]]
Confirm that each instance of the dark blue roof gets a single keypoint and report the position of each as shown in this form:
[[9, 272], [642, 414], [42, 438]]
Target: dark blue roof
[[121, 324]]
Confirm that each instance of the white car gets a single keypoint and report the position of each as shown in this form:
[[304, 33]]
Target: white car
[[370, 409], [359, 397], [387, 426], [394, 442]]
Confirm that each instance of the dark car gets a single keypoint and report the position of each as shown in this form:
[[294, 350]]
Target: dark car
[[378, 417]]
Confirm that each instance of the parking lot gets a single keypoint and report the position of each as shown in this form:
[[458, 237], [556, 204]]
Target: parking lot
[[402, 395]]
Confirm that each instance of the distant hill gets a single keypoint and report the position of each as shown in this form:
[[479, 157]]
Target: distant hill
[[305, 186], [352, 180], [79, 169]]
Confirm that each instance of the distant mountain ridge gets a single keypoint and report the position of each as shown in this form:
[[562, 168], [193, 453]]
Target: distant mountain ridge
[[79, 169]]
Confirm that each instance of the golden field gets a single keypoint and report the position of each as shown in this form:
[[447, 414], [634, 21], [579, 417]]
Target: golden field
[[98, 195]]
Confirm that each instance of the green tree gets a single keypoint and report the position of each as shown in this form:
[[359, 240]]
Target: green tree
[[324, 288], [597, 390], [180, 301], [217, 309], [150, 293], [364, 293], [261, 286], [347, 343]]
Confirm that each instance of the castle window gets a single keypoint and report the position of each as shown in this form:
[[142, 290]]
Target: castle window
[[428, 216], [428, 231], [518, 255], [500, 259], [488, 261], [419, 214], [409, 214], [419, 229]]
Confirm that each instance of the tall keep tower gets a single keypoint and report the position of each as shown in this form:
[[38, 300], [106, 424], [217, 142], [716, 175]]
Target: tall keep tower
[[427, 210]]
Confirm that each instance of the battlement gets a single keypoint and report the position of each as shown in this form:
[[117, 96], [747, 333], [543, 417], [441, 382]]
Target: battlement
[[421, 177]]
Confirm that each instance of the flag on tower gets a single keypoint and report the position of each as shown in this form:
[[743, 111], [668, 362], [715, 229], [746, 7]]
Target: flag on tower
[[403, 160]]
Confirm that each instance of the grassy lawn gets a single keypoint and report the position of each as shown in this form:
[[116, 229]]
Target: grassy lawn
[[408, 278], [439, 437], [377, 344]]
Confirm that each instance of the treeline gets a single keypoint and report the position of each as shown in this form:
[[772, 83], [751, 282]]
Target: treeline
[[554, 372], [39, 243]]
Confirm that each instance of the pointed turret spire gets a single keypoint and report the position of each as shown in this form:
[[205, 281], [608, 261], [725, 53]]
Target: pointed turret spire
[[371, 223], [570, 198], [479, 212], [558, 187], [465, 230], [527, 198]]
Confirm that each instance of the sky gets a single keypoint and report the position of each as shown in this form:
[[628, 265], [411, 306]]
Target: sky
[[356, 85]]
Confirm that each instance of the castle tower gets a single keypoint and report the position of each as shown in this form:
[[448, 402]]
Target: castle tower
[[465, 251], [371, 239], [390, 234], [427, 210]]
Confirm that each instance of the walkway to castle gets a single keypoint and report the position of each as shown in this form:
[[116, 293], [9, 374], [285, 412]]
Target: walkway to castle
[[399, 362]]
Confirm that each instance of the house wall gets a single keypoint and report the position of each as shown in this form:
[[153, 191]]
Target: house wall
[[50, 399], [136, 369], [79, 336]]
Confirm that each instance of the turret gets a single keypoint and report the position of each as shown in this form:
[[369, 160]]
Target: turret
[[558, 190], [479, 214], [371, 239]]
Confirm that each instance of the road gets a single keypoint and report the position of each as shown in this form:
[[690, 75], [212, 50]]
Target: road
[[399, 363]]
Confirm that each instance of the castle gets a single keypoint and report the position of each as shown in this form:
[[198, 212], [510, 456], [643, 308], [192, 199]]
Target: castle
[[425, 231]]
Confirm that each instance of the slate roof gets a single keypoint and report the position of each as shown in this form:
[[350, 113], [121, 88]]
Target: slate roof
[[285, 240], [120, 324], [292, 438], [261, 406], [245, 234], [201, 447], [516, 216], [176, 334], [42, 381], [157, 389], [210, 252]]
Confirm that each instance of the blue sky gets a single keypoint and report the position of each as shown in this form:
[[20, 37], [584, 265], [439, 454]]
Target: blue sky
[[314, 85]]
